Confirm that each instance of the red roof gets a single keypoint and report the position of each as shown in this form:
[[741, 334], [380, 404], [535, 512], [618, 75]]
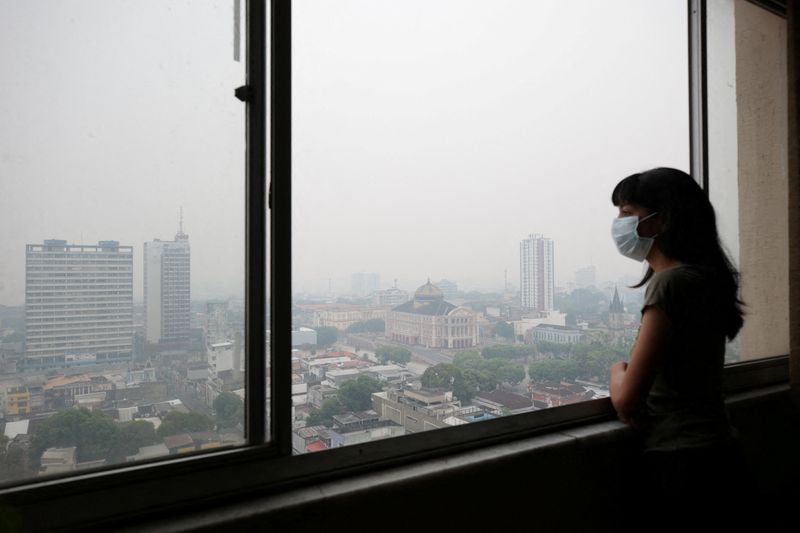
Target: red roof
[[316, 446]]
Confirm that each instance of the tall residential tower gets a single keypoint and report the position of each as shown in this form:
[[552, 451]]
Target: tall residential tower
[[78, 303], [536, 274], [166, 292]]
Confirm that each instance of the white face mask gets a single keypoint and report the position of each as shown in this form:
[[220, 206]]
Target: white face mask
[[626, 237]]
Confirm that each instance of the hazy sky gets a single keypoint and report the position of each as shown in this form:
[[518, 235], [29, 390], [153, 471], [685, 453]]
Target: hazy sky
[[113, 114], [430, 136]]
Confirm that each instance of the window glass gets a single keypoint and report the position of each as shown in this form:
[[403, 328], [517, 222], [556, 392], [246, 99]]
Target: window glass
[[452, 173], [122, 248], [748, 165]]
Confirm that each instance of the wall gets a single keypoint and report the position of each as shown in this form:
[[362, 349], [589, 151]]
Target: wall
[[571, 480]]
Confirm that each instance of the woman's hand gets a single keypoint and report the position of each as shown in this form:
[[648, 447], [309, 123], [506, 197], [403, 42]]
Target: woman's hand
[[629, 384]]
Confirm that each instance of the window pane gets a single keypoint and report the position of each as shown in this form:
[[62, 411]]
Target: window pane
[[122, 250], [748, 160], [453, 167]]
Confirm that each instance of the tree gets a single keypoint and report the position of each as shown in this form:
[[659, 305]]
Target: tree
[[134, 435], [393, 353], [554, 370], [94, 434], [553, 347], [176, 422], [326, 335], [468, 359], [505, 330], [324, 415], [509, 372], [508, 351], [229, 410], [449, 377], [356, 395]]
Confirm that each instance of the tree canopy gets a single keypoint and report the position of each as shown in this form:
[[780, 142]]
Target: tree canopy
[[229, 410], [508, 351], [398, 354], [326, 335], [176, 422], [324, 415], [504, 329], [356, 395], [96, 435]]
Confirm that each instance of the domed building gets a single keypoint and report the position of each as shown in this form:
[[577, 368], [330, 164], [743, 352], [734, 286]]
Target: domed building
[[430, 321]]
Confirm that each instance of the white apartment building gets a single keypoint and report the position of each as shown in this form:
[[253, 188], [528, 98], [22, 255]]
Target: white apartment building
[[78, 303], [167, 269], [536, 273]]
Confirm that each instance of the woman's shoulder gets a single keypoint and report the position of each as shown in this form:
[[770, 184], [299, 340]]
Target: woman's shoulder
[[680, 283], [681, 274]]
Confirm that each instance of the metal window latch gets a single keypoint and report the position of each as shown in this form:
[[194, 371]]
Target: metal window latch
[[244, 93]]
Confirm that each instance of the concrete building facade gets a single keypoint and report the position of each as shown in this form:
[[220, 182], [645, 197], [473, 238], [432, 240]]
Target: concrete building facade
[[430, 321], [536, 273], [78, 303], [167, 275]]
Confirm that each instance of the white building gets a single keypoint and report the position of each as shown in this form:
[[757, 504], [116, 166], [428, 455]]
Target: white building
[[557, 334], [393, 297], [78, 303], [553, 318], [536, 273], [166, 292], [430, 321]]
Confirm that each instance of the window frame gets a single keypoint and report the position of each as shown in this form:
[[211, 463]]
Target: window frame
[[165, 486]]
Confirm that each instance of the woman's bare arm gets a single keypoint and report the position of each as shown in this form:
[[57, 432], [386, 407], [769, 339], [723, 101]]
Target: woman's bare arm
[[630, 382]]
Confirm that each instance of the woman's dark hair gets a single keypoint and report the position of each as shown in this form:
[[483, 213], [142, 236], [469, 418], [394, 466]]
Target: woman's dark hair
[[689, 231]]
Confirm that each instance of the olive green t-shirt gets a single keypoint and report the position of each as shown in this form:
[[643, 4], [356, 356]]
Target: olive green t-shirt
[[685, 406]]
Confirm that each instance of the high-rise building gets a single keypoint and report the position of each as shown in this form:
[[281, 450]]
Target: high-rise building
[[78, 303], [449, 288], [365, 283], [166, 293], [536, 273]]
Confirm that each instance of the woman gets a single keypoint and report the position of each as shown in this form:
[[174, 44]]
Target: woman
[[671, 391]]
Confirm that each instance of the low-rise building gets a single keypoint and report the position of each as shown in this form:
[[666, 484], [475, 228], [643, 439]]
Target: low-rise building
[[501, 402], [18, 401], [557, 334], [57, 460], [418, 410]]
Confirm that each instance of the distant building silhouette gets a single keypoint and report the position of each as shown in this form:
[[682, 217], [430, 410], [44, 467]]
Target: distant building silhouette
[[616, 312], [167, 269], [586, 277], [365, 283]]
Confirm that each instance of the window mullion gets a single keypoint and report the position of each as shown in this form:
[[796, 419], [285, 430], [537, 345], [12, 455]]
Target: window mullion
[[280, 220], [255, 277], [698, 124]]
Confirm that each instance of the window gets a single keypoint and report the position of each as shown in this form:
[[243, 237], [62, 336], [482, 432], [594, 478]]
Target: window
[[131, 348], [161, 485], [451, 213]]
